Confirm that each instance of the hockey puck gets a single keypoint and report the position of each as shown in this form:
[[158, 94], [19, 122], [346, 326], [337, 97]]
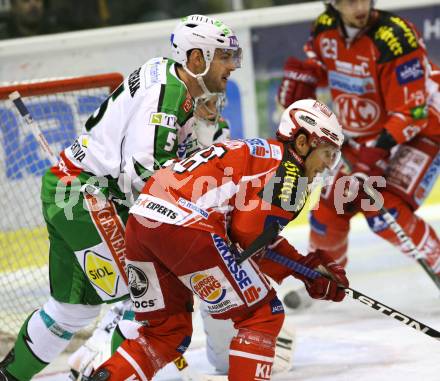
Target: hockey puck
[[292, 300]]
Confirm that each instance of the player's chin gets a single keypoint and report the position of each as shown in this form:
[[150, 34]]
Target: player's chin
[[361, 22], [222, 85]]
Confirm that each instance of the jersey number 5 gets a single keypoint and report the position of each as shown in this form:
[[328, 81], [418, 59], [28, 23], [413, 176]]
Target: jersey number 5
[[95, 118]]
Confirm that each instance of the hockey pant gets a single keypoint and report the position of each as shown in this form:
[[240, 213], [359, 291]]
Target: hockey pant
[[86, 253], [219, 334], [164, 276]]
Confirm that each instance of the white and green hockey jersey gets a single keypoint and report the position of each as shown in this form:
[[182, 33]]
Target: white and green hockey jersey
[[138, 128]]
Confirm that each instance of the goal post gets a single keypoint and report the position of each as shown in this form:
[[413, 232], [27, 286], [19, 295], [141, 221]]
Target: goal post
[[60, 107]]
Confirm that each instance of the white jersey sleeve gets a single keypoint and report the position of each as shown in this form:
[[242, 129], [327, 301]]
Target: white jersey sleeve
[[136, 129]]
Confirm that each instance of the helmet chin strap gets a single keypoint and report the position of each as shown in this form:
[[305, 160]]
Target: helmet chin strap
[[199, 78]]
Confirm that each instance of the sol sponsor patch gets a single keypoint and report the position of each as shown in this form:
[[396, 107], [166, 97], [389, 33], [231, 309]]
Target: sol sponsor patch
[[102, 271]]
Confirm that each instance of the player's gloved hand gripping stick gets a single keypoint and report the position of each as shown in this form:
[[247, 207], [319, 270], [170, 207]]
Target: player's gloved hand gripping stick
[[368, 301], [271, 233]]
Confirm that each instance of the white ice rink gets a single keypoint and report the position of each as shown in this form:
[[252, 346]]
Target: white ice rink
[[348, 341]]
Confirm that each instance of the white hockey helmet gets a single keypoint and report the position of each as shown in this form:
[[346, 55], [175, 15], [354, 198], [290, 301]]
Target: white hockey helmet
[[204, 33], [314, 119]]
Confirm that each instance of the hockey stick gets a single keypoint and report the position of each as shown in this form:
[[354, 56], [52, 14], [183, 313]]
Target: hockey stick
[[368, 301], [403, 238], [15, 97], [259, 243]]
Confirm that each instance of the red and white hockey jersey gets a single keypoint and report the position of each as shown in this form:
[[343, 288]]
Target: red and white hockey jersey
[[378, 79], [236, 188]]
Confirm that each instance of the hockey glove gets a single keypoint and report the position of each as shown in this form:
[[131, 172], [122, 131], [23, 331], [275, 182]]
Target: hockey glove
[[329, 286], [300, 80]]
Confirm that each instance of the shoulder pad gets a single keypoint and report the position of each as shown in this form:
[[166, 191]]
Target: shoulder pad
[[174, 97], [325, 21], [393, 36]]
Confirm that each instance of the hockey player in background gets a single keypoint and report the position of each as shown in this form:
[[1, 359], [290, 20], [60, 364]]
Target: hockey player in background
[[184, 233], [384, 92], [137, 129]]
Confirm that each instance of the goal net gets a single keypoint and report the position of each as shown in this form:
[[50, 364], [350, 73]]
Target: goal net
[[60, 108]]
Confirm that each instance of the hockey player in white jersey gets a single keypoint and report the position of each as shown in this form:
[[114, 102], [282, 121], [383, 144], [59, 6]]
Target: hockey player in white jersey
[[86, 196], [204, 128]]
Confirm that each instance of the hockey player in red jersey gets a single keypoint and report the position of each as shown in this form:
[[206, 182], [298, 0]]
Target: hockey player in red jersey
[[384, 92], [183, 232]]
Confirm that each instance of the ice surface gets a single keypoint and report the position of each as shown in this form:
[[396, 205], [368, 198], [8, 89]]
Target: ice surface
[[348, 341]]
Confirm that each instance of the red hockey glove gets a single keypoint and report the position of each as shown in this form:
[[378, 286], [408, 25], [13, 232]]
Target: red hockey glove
[[324, 287], [300, 80], [370, 161]]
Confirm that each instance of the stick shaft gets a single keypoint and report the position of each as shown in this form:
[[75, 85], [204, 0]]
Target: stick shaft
[[368, 301], [403, 238], [16, 99]]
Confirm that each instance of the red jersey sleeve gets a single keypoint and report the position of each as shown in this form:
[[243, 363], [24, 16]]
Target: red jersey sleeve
[[274, 270], [403, 85]]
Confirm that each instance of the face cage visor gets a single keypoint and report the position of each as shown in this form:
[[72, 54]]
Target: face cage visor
[[208, 107], [207, 111], [227, 56], [329, 154]]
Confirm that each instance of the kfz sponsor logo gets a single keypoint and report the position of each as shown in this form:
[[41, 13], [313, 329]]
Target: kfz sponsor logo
[[250, 292]]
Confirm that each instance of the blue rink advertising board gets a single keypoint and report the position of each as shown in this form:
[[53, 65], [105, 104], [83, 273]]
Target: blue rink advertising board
[[272, 45], [61, 121]]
